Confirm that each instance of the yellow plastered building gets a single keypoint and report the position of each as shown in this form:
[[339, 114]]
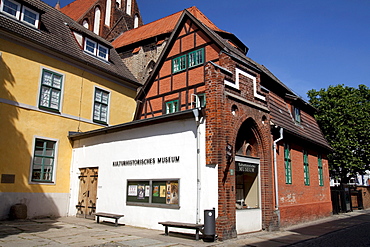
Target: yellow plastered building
[[56, 77]]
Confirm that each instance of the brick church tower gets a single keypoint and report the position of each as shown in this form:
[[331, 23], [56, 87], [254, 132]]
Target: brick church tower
[[107, 18]]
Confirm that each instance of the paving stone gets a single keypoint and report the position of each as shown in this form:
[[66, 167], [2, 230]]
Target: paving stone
[[141, 242]]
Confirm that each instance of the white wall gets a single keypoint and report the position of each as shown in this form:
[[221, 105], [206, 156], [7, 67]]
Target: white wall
[[177, 138], [248, 220], [38, 204]]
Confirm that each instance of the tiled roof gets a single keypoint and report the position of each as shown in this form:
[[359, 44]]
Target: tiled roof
[[161, 26], [308, 128], [78, 8], [55, 37]]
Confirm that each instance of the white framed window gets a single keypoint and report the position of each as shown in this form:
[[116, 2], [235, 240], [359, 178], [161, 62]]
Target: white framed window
[[44, 160], [11, 8], [29, 16], [50, 90], [90, 46], [102, 52], [101, 106], [96, 49], [19, 12]]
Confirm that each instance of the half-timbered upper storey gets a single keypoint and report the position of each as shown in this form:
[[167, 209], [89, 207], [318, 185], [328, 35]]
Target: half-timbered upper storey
[[178, 82]]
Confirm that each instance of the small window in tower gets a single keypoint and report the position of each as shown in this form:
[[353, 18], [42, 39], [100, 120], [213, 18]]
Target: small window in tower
[[128, 7], [136, 21]]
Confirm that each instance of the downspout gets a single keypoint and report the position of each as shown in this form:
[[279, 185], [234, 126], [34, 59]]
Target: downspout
[[197, 120], [276, 176]]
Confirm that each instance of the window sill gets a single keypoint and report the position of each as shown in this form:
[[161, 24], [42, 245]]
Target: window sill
[[49, 109], [100, 122], [42, 182], [247, 208]]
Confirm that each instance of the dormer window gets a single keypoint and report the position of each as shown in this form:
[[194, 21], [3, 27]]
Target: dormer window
[[19, 12], [96, 49], [297, 114]]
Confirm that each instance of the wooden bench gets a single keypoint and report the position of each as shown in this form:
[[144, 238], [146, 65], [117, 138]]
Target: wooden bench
[[197, 227], [108, 215]]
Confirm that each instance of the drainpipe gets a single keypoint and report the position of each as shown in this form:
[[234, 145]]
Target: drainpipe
[[197, 120], [276, 176]]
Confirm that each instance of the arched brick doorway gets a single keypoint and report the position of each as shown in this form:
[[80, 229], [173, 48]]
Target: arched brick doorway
[[248, 178]]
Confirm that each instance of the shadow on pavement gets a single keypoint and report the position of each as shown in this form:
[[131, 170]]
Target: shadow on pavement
[[14, 227]]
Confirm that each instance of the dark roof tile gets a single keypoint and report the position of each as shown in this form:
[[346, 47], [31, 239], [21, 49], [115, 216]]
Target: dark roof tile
[[56, 36]]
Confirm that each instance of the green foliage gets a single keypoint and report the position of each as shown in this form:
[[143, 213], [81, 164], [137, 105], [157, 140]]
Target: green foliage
[[344, 117]]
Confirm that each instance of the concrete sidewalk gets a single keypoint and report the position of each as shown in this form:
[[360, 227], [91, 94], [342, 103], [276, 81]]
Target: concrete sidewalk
[[72, 231]]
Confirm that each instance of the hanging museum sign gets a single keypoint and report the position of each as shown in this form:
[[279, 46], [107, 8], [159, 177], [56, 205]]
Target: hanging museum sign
[[246, 167]]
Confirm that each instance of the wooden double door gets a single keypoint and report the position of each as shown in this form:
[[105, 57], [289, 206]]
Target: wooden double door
[[87, 195]]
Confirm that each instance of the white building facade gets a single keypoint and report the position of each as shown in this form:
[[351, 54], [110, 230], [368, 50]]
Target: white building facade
[[149, 172]]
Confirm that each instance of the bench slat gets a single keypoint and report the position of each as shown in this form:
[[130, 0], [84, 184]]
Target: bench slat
[[196, 227], [181, 224], [108, 215]]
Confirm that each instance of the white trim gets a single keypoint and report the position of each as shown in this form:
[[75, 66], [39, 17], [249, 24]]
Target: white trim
[[255, 93], [34, 108], [106, 55], [85, 24], [232, 84], [32, 11], [95, 53], [136, 21], [246, 159], [108, 7], [6, 13], [55, 159], [236, 84], [97, 14], [93, 102], [19, 15], [128, 7], [95, 46]]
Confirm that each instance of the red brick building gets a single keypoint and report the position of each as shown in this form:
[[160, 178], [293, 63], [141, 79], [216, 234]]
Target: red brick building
[[246, 110]]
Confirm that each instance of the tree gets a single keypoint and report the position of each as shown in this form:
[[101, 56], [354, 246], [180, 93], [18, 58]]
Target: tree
[[344, 117]]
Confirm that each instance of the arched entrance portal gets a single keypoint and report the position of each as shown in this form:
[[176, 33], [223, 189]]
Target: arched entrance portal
[[247, 182]]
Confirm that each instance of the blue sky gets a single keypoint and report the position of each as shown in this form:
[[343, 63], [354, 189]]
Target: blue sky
[[307, 44]]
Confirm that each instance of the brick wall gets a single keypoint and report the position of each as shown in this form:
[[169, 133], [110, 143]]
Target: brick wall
[[300, 202], [365, 191], [222, 129]]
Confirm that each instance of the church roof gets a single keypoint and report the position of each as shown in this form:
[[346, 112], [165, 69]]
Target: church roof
[[78, 8], [161, 26]]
